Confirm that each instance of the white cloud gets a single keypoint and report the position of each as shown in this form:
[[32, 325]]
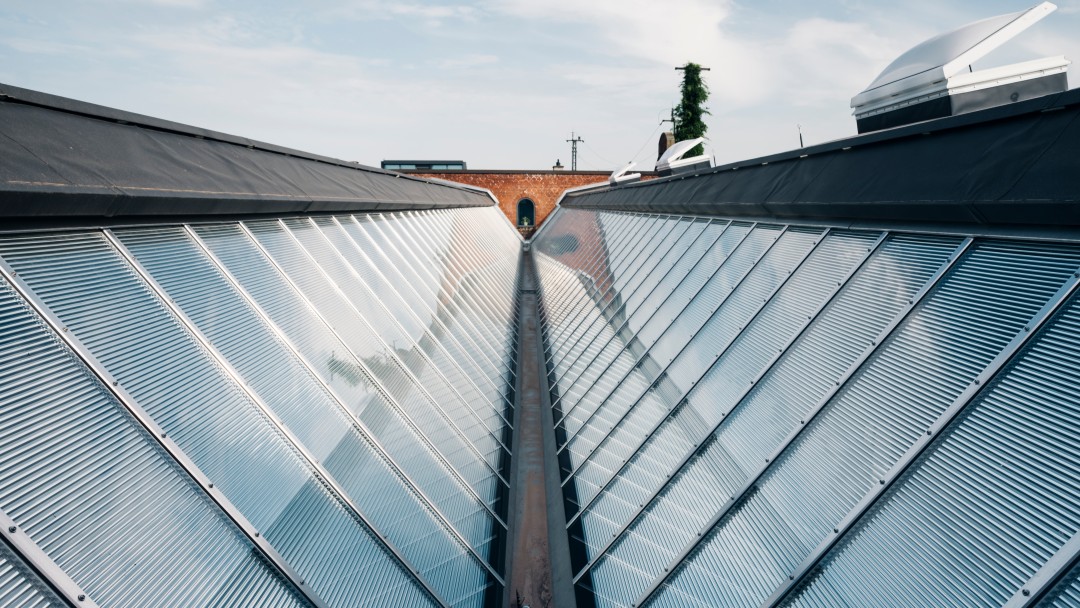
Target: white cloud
[[373, 10], [502, 87], [466, 61]]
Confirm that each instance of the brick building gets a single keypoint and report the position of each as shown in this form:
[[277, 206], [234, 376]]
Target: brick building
[[526, 197]]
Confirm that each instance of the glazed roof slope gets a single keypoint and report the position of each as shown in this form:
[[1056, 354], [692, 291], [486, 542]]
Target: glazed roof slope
[[845, 375], [236, 374]]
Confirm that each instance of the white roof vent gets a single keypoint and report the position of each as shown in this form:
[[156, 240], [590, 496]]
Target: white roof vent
[[623, 175], [934, 79], [672, 162]]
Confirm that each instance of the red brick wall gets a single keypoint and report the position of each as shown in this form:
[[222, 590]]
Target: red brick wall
[[543, 188]]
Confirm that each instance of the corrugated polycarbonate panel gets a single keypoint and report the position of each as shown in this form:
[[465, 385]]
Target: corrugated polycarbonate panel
[[395, 306], [610, 282], [622, 301], [20, 587], [348, 378], [675, 274], [576, 245], [613, 325], [605, 276], [480, 285], [595, 258], [679, 283], [717, 392], [654, 389], [990, 501], [106, 504], [686, 326], [433, 264], [422, 299], [901, 389], [97, 295], [602, 329], [310, 412], [477, 264], [756, 425], [378, 358], [398, 345]]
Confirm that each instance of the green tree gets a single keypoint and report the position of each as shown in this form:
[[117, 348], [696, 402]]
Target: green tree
[[691, 111]]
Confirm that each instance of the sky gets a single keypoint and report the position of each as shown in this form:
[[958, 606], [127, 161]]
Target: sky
[[500, 84]]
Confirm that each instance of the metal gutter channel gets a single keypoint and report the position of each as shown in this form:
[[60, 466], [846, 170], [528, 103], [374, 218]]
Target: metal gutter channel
[[538, 551]]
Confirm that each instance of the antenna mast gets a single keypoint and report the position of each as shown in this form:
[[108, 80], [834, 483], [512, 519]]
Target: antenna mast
[[574, 140]]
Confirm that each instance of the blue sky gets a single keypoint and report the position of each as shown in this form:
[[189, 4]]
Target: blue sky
[[498, 83]]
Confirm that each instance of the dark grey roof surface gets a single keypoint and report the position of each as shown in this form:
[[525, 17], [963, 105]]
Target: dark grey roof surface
[[60, 157], [1015, 164]]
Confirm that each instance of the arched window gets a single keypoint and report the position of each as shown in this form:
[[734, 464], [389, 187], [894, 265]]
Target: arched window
[[525, 216]]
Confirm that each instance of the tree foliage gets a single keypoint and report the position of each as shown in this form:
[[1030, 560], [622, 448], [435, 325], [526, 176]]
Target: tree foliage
[[691, 111]]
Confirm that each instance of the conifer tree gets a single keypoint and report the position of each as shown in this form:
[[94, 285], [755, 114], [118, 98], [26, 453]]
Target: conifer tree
[[691, 111]]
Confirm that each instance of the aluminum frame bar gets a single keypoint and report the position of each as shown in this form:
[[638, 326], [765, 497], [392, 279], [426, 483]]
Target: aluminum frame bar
[[1044, 580], [49, 571]]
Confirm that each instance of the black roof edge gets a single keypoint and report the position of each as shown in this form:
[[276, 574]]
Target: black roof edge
[[1060, 210], [10, 93], [1047, 103]]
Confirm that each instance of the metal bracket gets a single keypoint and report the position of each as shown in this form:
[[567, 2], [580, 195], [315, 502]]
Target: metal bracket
[[42, 564]]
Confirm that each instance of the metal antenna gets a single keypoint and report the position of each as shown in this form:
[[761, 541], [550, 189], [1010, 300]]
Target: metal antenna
[[574, 141]]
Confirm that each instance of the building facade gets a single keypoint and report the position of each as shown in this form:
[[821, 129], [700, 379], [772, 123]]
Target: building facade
[[526, 197]]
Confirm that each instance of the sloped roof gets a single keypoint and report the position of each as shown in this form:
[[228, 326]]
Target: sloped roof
[[842, 375]]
